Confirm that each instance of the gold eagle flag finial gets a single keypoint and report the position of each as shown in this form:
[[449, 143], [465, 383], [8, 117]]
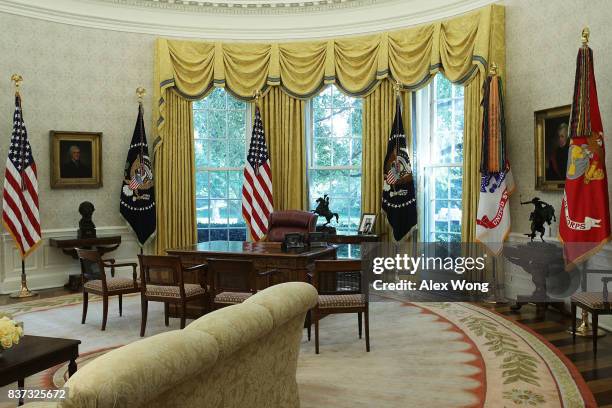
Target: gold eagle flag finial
[[17, 79], [586, 33], [140, 93]]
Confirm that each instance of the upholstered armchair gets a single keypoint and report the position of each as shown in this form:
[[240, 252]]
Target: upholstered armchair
[[291, 221]]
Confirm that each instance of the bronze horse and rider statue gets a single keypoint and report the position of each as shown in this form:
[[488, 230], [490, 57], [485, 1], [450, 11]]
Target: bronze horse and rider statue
[[322, 210], [542, 213]]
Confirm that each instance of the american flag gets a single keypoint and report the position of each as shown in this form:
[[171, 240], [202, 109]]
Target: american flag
[[20, 207], [257, 188]]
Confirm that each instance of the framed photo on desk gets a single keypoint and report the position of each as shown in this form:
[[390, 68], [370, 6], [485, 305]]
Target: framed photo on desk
[[366, 225]]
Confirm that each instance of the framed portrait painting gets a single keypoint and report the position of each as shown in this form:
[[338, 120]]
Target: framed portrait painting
[[551, 147], [76, 159]]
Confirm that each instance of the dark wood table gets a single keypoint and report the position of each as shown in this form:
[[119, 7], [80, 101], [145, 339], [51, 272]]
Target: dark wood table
[[102, 244], [293, 266], [353, 238], [34, 354]]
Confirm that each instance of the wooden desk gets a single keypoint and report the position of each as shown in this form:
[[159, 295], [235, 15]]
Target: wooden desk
[[353, 238], [34, 354], [293, 266]]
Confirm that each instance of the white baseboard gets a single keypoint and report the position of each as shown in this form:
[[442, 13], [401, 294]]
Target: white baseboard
[[49, 267]]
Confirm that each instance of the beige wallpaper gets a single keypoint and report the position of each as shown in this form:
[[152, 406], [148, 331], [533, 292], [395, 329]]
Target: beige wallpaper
[[74, 79], [84, 79], [542, 40]]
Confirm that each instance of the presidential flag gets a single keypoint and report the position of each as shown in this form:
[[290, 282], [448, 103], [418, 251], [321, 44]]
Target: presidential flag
[[497, 183], [20, 214], [257, 203], [585, 211], [398, 196], [137, 204]]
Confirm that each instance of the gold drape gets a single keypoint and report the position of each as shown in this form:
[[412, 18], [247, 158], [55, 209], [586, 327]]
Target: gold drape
[[472, 147], [283, 120], [175, 178], [460, 47], [378, 114]]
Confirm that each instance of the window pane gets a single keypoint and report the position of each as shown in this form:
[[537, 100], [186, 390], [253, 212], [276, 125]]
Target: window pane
[[235, 184], [202, 190], [441, 183], [443, 87], [335, 163], [220, 131], [322, 150], [342, 152], [216, 153], [236, 121], [214, 124], [455, 182], [356, 152], [236, 156], [218, 184], [341, 122]]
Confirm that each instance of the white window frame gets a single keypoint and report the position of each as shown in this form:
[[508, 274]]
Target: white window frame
[[202, 169], [310, 154], [426, 111]]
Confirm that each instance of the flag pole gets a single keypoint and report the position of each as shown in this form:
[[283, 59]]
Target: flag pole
[[585, 329], [140, 93], [23, 292]]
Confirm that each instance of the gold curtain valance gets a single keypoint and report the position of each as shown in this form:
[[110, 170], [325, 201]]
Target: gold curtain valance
[[459, 46]]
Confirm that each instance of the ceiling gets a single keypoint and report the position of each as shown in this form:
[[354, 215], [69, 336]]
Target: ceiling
[[242, 19]]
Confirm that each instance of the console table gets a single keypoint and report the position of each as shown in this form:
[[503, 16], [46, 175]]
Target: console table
[[103, 244]]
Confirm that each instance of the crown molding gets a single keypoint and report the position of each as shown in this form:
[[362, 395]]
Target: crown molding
[[177, 19]]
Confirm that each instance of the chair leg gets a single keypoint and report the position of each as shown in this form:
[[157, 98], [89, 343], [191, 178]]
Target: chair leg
[[166, 314], [573, 312], [315, 317], [120, 305], [85, 302], [104, 311], [359, 323], [183, 313], [144, 305], [367, 328], [595, 322]]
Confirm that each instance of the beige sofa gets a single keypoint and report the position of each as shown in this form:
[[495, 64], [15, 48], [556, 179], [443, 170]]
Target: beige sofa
[[239, 356]]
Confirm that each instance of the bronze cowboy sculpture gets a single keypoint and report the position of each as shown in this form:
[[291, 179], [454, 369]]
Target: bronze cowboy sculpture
[[542, 213]]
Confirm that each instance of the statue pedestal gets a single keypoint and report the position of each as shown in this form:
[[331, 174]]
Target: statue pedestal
[[542, 261]]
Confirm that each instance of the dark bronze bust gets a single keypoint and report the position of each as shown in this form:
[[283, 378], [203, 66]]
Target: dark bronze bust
[[87, 229]]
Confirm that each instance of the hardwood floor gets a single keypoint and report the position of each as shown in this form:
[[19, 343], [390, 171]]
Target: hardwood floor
[[597, 372]]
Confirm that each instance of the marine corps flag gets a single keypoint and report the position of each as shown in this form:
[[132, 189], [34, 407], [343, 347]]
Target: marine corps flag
[[398, 197], [137, 193], [585, 211], [497, 183]]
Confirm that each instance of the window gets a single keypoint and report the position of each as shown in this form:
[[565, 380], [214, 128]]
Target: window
[[439, 113], [220, 132], [334, 155]]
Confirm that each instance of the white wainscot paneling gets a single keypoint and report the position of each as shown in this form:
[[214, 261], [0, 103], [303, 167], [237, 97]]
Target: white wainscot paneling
[[49, 267]]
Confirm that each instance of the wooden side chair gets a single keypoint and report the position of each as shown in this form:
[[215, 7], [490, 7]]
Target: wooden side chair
[[163, 281], [101, 284], [340, 287], [596, 303], [234, 281]]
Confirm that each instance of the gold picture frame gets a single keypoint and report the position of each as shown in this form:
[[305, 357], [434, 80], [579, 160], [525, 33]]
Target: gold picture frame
[[551, 126], [76, 159]]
